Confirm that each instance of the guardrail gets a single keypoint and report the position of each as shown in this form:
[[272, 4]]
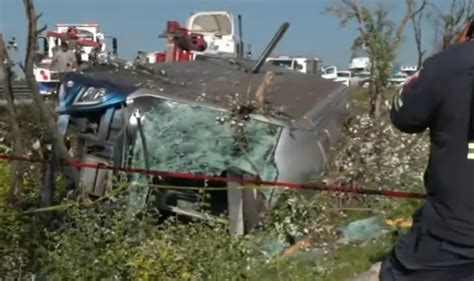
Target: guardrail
[[22, 95], [20, 91]]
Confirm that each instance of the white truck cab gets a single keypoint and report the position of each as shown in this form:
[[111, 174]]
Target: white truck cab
[[218, 29], [359, 64]]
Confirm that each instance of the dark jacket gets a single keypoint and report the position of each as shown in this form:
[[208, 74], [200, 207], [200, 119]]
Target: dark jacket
[[440, 100]]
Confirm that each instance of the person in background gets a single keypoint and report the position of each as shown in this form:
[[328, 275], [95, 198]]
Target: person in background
[[440, 97], [73, 45], [64, 60]]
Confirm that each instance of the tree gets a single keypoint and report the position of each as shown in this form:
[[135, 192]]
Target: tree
[[379, 37], [60, 149], [16, 186], [416, 21], [451, 21]]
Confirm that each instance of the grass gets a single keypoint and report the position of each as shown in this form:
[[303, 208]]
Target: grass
[[349, 260], [360, 99]]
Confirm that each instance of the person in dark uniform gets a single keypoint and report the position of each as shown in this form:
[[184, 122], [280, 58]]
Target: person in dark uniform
[[440, 245]]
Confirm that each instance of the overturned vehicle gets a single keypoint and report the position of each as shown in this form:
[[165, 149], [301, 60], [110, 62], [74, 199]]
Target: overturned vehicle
[[205, 117]]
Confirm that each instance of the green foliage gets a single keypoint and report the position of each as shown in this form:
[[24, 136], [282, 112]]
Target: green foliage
[[18, 235], [97, 245], [105, 242], [378, 38], [347, 260]]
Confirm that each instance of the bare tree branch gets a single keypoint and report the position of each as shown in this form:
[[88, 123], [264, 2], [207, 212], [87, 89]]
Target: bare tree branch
[[421, 8], [38, 17], [408, 15], [416, 20], [42, 29], [57, 138], [453, 20], [356, 5], [16, 184]]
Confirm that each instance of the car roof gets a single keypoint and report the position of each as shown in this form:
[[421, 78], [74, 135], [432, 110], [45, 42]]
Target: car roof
[[293, 93]]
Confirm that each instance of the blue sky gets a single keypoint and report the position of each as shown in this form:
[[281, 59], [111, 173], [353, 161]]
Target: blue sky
[[137, 23]]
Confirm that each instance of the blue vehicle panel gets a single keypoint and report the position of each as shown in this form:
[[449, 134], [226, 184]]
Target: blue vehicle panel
[[76, 84]]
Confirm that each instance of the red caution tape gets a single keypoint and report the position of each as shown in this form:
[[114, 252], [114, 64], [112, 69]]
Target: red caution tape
[[179, 175]]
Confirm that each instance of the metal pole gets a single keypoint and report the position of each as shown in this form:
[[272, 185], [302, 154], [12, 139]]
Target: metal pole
[[268, 50], [241, 43]]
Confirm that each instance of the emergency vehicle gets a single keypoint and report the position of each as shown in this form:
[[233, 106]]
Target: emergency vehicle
[[89, 40]]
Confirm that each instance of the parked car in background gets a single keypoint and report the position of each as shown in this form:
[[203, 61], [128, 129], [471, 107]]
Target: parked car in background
[[329, 72], [361, 79], [300, 64], [344, 76], [397, 80]]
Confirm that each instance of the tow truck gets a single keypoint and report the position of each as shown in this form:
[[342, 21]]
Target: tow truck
[[90, 41], [206, 33]]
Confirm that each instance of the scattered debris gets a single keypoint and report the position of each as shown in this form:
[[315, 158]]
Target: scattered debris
[[364, 229], [272, 247]]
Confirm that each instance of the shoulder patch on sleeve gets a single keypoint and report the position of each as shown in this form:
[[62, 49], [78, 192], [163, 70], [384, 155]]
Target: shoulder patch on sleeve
[[397, 101]]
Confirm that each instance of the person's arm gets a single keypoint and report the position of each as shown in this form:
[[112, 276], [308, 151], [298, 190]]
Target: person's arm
[[413, 106]]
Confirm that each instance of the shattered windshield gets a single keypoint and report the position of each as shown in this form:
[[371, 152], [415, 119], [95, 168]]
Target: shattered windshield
[[196, 139]]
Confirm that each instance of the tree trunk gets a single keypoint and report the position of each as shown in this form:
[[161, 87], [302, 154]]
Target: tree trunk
[[16, 184], [374, 88], [58, 141], [376, 101]]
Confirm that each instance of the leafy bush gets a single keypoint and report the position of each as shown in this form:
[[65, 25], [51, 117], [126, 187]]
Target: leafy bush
[[19, 235], [96, 245]]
